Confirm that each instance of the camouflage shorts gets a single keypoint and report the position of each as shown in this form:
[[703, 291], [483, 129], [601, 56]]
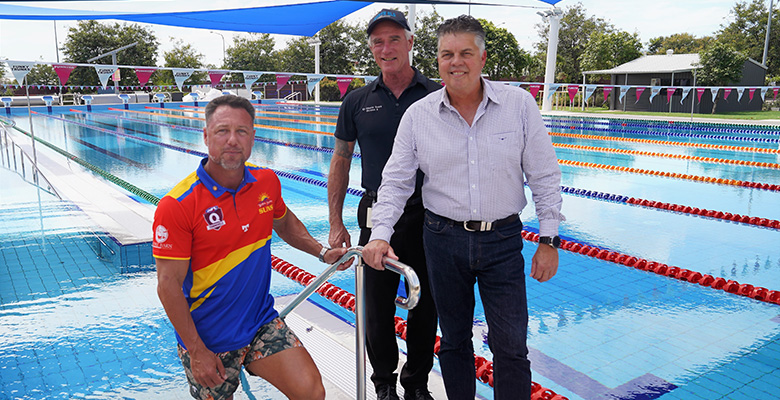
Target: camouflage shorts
[[270, 339]]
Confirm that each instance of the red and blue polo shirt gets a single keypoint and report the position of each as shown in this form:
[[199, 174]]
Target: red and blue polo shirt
[[226, 236]]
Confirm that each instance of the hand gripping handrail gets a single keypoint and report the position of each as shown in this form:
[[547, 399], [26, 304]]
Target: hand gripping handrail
[[413, 297]]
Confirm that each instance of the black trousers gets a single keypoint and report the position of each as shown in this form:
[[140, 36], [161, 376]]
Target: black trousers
[[381, 291]]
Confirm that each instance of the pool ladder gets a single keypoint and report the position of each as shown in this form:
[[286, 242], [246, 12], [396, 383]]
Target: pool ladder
[[407, 303], [12, 157]]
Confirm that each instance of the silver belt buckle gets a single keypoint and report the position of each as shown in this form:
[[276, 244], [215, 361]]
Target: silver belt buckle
[[466, 226]]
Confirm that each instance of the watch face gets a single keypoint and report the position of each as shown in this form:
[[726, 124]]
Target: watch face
[[554, 241]]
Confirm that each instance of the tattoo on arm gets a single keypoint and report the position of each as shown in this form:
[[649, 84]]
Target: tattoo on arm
[[342, 149]]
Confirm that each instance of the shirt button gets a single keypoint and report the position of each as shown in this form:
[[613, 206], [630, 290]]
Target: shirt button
[[471, 137], [473, 186], [215, 188], [396, 104], [472, 161], [474, 211]]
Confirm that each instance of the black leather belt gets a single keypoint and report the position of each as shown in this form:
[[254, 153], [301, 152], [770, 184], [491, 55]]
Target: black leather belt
[[483, 226]]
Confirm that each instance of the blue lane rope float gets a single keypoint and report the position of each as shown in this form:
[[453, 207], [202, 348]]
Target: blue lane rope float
[[669, 134], [689, 125]]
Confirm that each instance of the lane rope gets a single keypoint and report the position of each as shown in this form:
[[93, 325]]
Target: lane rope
[[668, 143]]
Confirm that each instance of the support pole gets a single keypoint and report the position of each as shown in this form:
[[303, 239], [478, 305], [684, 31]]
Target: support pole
[[553, 16], [768, 30]]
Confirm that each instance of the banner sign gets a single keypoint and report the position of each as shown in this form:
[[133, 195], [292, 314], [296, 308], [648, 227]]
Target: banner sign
[[313, 80], [573, 90], [589, 90], [63, 72], [216, 76], [669, 93], [685, 92], [741, 92], [180, 75], [553, 88], [369, 79], [607, 91], [104, 72], [726, 93], [281, 80], [534, 89], [343, 83], [250, 78], [714, 91], [144, 74], [639, 91], [775, 92], [654, 92], [20, 69], [623, 91], [751, 92]]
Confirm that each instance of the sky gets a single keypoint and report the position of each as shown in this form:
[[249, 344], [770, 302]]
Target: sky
[[35, 40]]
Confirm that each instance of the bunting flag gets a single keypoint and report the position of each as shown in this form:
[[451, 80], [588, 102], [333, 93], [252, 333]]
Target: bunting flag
[[726, 93], [63, 72], [281, 80], [654, 90], [573, 90], [144, 74], [775, 92], [623, 91], [216, 76], [534, 89], [764, 91], [250, 78], [639, 91], [751, 92], [313, 80], [685, 92], [369, 79], [553, 88], [20, 69], [607, 91], [104, 72], [699, 92], [741, 92], [669, 93], [343, 83], [180, 75], [714, 91], [589, 90]]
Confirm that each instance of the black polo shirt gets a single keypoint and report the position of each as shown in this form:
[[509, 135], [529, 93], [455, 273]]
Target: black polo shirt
[[371, 116]]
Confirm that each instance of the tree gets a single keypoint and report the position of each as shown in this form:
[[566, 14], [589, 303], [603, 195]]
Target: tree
[[90, 39], [298, 56], [680, 43], [608, 50], [747, 32], [505, 59], [720, 65], [426, 43], [42, 74], [575, 31], [361, 53], [254, 53], [337, 52], [183, 55]]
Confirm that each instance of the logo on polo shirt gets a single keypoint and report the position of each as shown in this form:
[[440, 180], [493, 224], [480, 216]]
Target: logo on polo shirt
[[368, 109], [214, 218], [264, 204], [160, 236]]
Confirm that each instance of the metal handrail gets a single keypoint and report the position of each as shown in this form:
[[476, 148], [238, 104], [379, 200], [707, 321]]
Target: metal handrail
[[413, 297], [37, 174]]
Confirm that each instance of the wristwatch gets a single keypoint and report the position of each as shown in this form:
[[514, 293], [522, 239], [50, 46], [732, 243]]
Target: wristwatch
[[324, 250], [553, 241]]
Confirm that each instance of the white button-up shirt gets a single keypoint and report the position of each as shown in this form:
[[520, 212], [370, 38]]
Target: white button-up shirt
[[472, 172]]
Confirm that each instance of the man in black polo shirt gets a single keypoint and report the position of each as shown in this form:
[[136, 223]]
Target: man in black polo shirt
[[371, 116]]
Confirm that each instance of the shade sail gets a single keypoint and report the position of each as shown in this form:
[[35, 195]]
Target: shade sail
[[295, 19]]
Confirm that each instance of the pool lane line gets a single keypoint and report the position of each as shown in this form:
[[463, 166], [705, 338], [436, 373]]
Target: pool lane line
[[346, 300], [321, 149], [257, 109], [695, 178], [668, 143], [669, 155], [299, 121], [757, 292], [689, 125], [203, 119], [137, 131], [672, 134]]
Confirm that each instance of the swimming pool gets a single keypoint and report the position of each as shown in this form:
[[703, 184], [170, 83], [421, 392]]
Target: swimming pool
[[74, 327]]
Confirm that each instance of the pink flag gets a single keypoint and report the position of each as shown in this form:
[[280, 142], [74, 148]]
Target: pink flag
[[281, 80], [63, 72], [607, 91], [343, 83], [750, 93], [699, 92], [639, 91], [144, 74], [669, 93], [534, 89], [215, 77], [726, 93], [775, 93], [573, 89]]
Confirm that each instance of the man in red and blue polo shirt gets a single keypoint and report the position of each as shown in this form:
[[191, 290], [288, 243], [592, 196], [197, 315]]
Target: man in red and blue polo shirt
[[212, 236]]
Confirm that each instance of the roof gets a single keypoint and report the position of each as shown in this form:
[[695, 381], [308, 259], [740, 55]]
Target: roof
[[664, 63]]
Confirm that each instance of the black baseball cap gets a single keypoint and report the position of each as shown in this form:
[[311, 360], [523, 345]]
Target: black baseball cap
[[389, 15]]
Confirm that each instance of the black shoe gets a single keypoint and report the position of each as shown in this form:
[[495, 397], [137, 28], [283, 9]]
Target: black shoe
[[386, 391], [418, 394]]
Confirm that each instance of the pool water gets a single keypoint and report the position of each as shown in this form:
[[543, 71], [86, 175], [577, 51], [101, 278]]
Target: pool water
[[72, 325]]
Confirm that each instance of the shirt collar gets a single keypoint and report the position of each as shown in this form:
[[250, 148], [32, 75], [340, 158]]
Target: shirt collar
[[215, 188], [488, 94], [417, 79]]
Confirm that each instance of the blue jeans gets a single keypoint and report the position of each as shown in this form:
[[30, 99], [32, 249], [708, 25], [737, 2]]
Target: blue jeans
[[456, 260]]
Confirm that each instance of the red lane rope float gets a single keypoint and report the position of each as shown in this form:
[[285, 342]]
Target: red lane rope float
[[730, 286], [346, 300], [727, 216], [199, 111], [668, 155], [669, 143], [279, 128], [708, 179]]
